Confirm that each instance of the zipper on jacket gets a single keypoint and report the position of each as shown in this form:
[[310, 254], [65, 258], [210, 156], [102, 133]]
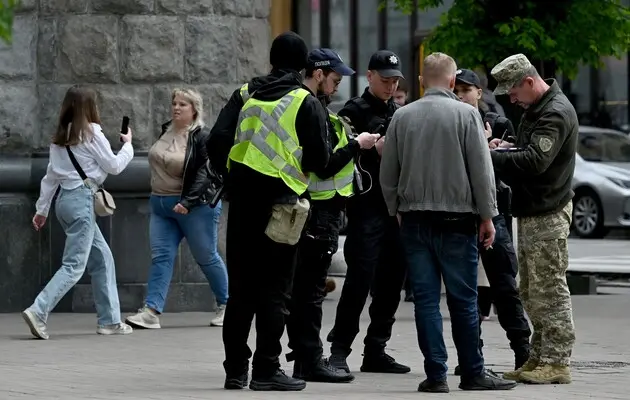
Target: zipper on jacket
[[189, 147]]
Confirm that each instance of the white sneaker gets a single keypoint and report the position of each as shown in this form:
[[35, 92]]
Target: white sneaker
[[218, 320], [116, 329], [145, 318], [37, 327]]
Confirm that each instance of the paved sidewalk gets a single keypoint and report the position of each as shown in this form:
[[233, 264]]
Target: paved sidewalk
[[183, 360]]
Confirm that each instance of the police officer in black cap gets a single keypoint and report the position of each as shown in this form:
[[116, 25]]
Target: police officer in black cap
[[329, 191], [372, 251], [499, 262]]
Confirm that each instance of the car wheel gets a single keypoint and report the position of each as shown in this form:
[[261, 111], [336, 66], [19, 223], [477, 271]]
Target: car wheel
[[588, 216]]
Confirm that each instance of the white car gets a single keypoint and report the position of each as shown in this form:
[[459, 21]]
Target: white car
[[601, 182]]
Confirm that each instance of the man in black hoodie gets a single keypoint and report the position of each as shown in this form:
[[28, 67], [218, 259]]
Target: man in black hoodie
[[260, 269]]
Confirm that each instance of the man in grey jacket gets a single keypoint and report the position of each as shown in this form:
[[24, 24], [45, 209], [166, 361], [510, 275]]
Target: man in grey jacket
[[436, 173]]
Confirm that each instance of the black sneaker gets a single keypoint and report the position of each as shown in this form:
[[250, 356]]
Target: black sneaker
[[458, 372], [383, 363], [488, 380], [279, 381], [338, 361], [236, 382], [430, 386], [322, 371]]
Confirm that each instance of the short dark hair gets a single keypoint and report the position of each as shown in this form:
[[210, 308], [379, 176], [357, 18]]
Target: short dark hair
[[402, 85], [310, 71]]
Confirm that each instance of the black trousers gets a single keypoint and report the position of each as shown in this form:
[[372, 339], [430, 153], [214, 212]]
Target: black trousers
[[316, 249], [260, 275], [501, 266], [374, 258]]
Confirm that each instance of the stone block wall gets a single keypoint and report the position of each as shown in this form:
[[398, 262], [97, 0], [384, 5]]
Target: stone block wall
[[134, 52]]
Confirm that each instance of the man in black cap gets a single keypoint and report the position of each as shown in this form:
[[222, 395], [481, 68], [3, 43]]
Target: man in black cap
[[372, 249], [329, 191], [499, 261], [279, 137]]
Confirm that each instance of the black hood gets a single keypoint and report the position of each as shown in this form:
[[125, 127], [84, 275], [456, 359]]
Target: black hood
[[278, 87], [273, 76], [288, 51]]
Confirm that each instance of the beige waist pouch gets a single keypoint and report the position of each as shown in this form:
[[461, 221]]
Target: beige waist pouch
[[287, 222]]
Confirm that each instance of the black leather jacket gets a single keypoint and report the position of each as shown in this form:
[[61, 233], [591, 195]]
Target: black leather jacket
[[194, 167]]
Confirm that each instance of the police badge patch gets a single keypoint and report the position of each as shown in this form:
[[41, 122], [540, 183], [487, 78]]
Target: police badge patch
[[545, 143]]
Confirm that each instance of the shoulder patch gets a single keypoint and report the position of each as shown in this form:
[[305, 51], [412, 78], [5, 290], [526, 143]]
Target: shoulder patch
[[545, 143]]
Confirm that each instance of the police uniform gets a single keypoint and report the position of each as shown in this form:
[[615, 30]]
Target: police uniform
[[328, 192], [540, 177], [280, 136], [372, 250]]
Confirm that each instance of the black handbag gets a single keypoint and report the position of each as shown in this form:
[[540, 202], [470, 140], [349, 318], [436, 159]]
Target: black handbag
[[214, 187]]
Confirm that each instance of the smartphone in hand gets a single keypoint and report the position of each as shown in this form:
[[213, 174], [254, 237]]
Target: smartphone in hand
[[125, 126]]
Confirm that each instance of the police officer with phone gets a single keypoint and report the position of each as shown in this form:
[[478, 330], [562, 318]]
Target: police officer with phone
[[373, 251]]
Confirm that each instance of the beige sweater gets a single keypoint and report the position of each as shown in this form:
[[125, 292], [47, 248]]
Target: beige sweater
[[166, 159]]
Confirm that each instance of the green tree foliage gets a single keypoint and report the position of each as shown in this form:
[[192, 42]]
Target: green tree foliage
[[480, 33], [7, 8]]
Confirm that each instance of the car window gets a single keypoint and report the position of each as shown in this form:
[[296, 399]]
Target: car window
[[604, 147]]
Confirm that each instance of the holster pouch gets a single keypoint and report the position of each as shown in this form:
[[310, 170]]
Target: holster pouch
[[287, 222]]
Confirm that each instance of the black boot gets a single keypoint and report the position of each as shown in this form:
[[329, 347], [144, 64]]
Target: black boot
[[278, 381], [338, 360], [236, 382], [321, 371], [236, 376], [382, 363], [430, 386]]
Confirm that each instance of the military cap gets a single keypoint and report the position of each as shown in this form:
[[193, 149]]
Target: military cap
[[510, 72]]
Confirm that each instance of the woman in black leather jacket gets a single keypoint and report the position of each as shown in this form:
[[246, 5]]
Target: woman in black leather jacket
[[179, 209]]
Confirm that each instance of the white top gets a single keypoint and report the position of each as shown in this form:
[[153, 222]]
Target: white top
[[95, 157]]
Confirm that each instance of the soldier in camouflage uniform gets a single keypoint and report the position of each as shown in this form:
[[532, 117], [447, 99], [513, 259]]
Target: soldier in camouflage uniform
[[540, 172]]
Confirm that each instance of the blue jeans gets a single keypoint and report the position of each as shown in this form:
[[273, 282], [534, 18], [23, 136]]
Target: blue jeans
[[440, 248], [85, 247], [166, 231]]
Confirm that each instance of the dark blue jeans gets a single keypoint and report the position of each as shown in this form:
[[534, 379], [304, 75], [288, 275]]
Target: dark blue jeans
[[444, 246]]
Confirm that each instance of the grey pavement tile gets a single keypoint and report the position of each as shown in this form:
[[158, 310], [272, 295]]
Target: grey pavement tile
[[183, 360]]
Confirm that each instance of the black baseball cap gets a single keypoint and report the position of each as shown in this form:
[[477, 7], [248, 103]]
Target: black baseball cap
[[328, 59], [386, 63], [468, 77]]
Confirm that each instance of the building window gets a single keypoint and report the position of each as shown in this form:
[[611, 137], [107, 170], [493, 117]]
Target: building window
[[368, 38], [340, 42], [612, 94]]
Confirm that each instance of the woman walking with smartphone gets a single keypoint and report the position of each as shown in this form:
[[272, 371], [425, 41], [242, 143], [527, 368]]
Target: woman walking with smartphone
[[79, 135]]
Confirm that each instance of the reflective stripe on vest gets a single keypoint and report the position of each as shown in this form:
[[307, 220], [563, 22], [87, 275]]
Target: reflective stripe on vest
[[245, 92], [263, 134], [341, 182]]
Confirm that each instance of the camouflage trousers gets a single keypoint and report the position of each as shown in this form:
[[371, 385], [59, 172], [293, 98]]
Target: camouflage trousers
[[543, 256]]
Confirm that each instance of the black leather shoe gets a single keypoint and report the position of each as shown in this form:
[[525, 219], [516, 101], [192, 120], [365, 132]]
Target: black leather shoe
[[322, 371], [236, 382], [487, 381], [278, 381], [338, 361], [383, 363], [430, 386]]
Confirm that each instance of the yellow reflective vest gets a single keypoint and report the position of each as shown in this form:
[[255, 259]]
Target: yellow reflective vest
[[342, 182], [266, 140]]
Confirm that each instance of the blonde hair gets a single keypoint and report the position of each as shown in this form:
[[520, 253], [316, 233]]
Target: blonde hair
[[438, 67], [194, 98]]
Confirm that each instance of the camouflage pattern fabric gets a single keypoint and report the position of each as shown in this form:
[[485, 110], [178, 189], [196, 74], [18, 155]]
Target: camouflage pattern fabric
[[509, 72], [543, 257]]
